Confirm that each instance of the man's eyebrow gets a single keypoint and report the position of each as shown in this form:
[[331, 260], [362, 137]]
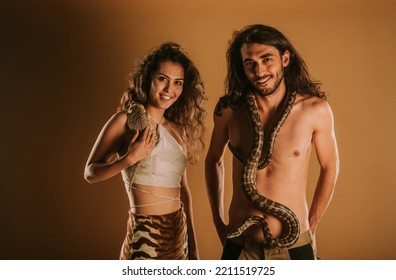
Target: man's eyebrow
[[262, 56], [267, 55]]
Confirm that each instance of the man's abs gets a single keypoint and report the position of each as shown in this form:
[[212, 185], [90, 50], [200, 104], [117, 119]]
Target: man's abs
[[277, 188]]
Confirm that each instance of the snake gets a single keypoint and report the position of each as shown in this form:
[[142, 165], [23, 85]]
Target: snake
[[137, 120], [258, 159]]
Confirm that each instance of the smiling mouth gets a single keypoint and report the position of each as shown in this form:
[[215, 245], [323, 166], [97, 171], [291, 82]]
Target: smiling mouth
[[262, 81], [164, 97]]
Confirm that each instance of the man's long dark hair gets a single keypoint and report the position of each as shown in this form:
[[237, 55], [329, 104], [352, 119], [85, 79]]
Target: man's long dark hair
[[296, 74]]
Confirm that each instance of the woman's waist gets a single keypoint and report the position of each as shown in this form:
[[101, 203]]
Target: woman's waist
[[154, 200], [152, 177]]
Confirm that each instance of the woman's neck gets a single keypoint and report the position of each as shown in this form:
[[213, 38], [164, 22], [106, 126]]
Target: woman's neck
[[156, 116]]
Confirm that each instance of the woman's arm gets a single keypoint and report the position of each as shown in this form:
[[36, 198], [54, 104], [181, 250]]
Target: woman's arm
[[104, 161], [193, 253]]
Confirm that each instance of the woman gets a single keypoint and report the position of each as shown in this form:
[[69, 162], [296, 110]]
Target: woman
[[167, 87]]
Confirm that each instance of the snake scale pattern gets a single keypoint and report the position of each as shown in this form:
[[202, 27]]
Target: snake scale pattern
[[137, 120], [258, 159]]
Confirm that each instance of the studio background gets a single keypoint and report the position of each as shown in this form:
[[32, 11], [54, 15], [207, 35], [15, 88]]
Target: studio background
[[63, 70]]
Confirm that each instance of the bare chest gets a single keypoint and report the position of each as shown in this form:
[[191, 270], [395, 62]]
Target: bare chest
[[292, 141]]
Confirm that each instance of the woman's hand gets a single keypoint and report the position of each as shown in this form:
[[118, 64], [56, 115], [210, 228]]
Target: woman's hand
[[139, 149]]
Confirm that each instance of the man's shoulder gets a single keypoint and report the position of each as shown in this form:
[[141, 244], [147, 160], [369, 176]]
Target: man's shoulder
[[315, 106], [310, 100], [225, 105]]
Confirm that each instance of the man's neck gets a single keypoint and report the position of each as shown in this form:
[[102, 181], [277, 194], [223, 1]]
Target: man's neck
[[269, 103]]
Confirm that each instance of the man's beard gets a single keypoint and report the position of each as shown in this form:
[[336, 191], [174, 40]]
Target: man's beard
[[269, 91]]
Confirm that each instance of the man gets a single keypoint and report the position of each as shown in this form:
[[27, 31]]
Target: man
[[271, 138]]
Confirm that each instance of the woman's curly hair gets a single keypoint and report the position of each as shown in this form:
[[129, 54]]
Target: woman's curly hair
[[187, 112]]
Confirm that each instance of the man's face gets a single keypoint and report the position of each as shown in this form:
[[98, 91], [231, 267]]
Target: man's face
[[264, 67]]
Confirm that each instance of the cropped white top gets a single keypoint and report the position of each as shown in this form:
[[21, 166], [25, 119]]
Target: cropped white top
[[164, 167]]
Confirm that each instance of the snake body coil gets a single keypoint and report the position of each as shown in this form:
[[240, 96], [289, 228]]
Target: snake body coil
[[259, 160], [137, 120]]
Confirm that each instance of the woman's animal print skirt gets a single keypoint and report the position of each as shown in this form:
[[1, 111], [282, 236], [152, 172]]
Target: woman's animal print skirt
[[161, 237]]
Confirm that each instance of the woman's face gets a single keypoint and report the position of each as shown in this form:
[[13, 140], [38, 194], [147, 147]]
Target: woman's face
[[166, 85]]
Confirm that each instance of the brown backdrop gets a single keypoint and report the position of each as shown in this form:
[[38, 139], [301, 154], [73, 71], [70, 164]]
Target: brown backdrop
[[63, 69]]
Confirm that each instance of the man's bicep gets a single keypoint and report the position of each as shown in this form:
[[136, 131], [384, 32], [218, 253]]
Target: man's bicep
[[219, 137], [325, 139]]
